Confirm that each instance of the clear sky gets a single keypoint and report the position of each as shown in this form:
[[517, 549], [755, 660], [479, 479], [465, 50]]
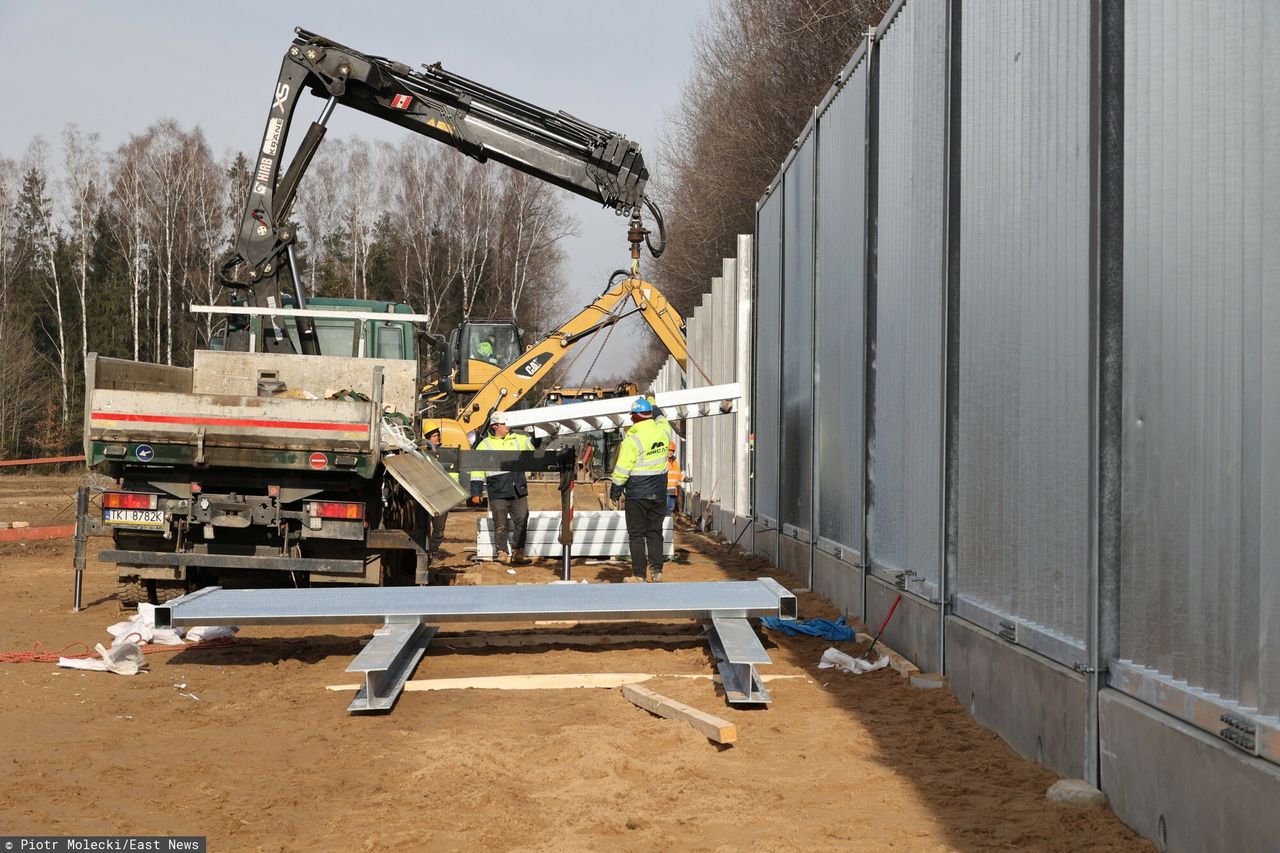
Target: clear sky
[[115, 67]]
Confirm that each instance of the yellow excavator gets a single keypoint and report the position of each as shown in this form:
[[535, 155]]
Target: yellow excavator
[[508, 383], [557, 395]]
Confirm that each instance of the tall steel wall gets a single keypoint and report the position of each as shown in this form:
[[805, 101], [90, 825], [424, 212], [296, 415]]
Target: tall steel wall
[[1043, 242], [1024, 286], [1200, 588], [840, 270], [767, 406], [796, 473], [910, 281]]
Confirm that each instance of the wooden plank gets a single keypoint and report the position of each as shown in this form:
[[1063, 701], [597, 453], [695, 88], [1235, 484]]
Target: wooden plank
[[897, 662], [718, 730], [553, 681], [569, 640]]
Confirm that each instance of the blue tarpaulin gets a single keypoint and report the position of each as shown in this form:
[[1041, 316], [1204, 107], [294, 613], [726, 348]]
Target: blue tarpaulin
[[836, 631]]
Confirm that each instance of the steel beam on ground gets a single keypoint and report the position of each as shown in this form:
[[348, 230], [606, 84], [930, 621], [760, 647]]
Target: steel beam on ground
[[737, 650], [505, 603], [387, 661], [404, 613]]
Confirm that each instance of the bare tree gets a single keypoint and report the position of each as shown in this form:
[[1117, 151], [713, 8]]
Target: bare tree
[[46, 238], [127, 215], [83, 179], [759, 68], [210, 226], [14, 252], [534, 221], [468, 197], [359, 201], [316, 207], [169, 166]]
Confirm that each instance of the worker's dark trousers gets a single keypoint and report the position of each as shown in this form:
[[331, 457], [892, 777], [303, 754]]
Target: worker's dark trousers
[[518, 508], [437, 531], [644, 529]]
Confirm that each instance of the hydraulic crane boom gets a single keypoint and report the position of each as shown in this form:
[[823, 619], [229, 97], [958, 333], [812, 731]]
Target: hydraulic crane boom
[[511, 384], [475, 119]]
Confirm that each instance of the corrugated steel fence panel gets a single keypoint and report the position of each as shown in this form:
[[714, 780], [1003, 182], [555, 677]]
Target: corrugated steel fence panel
[[741, 445], [1024, 367], [767, 414], [906, 467], [841, 295], [796, 476], [1200, 584], [727, 321]]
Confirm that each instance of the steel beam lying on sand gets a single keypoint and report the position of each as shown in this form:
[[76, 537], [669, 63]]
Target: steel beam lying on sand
[[407, 616], [737, 650], [387, 661]]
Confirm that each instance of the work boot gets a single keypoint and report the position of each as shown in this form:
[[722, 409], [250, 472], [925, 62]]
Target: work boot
[[518, 558], [503, 558], [655, 576], [633, 579]]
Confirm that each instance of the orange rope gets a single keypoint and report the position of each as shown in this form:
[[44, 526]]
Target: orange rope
[[39, 654]]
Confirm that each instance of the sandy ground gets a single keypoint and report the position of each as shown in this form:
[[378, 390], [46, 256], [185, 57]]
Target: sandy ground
[[267, 759]]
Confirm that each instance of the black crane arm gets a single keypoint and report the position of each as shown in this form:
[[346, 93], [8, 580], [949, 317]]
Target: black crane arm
[[477, 120]]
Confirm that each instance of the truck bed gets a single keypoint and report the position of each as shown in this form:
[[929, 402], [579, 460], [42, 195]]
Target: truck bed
[[212, 414]]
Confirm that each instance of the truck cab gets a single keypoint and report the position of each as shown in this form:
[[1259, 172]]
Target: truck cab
[[338, 336]]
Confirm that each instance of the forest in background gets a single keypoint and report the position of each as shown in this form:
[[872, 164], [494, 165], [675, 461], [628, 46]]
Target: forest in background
[[104, 250], [759, 68]]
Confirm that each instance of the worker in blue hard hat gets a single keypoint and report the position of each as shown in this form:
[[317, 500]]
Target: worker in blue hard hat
[[641, 475]]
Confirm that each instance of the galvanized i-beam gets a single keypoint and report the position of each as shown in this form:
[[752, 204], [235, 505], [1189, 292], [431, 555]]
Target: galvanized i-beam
[[404, 614]]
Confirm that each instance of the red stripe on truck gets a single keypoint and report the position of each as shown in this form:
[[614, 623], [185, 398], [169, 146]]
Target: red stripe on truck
[[246, 422]]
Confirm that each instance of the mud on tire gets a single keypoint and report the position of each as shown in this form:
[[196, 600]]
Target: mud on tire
[[130, 592]]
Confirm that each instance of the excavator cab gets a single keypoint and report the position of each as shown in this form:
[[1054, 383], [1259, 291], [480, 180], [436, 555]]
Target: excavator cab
[[475, 352]]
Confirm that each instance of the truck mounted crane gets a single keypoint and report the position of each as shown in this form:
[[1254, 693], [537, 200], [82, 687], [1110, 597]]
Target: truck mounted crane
[[479, 121]]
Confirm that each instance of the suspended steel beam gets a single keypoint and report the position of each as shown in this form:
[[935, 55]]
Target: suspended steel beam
[[611, 414]]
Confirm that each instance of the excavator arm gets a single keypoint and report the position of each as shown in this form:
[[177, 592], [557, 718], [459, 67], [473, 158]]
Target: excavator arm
[[479, 121], [518, 378]]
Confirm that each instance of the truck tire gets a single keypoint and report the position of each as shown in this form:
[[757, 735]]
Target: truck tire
[[165, 591], [130, 591]]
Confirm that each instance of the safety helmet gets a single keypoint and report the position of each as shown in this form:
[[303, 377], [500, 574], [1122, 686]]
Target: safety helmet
[[497, 418], [641, 407]]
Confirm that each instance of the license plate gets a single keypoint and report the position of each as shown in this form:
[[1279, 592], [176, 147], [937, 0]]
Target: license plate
[[134, 517]]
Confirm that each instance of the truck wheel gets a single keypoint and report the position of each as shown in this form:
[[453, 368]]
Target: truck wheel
[[165, 591], [130, 591]]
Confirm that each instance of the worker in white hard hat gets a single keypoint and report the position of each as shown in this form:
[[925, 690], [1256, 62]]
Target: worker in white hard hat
[[508, 491]]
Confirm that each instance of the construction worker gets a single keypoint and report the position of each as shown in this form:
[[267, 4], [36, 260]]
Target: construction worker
[[641, 474], [438, 521], [487, 351], [673, 479], [508, 491]]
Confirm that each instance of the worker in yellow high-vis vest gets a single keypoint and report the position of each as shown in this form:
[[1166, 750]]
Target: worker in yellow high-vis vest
[[641, 474], [508, 491]]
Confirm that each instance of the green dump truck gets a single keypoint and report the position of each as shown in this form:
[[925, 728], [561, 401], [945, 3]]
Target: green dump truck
[[267, 468]]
